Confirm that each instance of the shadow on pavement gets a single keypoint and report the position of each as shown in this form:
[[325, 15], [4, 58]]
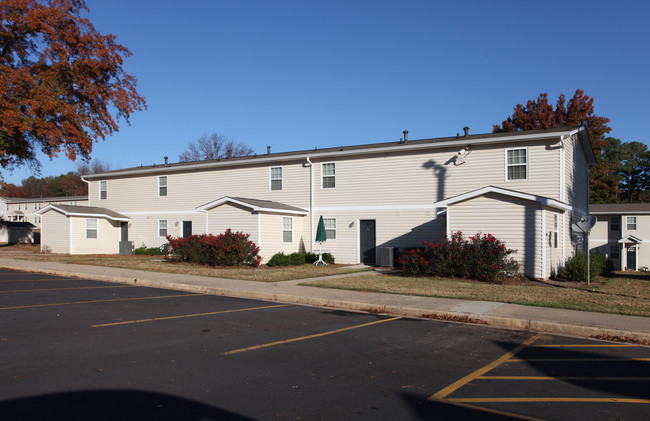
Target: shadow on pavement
[[111, 405]]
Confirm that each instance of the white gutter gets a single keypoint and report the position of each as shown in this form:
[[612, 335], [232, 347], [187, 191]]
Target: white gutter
[[311, 202]]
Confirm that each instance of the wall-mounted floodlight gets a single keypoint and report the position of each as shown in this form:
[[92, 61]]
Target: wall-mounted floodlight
[[463, 153]]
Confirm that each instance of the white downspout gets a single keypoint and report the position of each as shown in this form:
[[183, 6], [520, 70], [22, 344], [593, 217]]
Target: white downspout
[[311, 203]]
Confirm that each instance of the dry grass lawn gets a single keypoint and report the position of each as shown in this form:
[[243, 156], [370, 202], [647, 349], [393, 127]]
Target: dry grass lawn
[[157, 264], [623, 293]]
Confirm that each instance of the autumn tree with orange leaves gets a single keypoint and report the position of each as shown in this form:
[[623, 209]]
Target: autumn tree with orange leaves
[[62, 86], [539, 114]]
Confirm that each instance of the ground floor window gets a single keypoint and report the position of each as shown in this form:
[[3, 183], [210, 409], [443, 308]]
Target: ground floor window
[[162, 228], [330, 228], [91, 228], [287, 229], [614, 253]]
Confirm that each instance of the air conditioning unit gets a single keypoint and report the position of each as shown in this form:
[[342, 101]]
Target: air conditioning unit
[[386, 256], [126, 247]]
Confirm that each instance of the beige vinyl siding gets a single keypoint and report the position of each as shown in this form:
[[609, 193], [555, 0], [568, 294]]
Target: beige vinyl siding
[[107, 241], [577, 192], [143, 229], [393, 228], [425, 178], [506, 218], [55, 232], [271, 237], [188, 190], [235, 217]]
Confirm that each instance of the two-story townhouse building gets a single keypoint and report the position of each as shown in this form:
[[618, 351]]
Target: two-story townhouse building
[[622, 232], [524, 187], [20, 209]]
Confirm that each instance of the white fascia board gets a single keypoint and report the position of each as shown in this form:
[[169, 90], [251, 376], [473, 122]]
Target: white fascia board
[[491, 189], [85, 215], [630, 238], [620, 213], [334, 154], [373, 207], [254, 208]]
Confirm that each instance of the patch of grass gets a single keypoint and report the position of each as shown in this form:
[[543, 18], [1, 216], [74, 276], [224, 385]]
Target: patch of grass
[[616, 294], [158, 264]]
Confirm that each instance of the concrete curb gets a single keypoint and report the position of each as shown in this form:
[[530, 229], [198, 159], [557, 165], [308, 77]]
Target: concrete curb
[[545, 326]]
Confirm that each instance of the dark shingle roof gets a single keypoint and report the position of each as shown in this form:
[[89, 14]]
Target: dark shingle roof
[[87, 211], [620, 208]]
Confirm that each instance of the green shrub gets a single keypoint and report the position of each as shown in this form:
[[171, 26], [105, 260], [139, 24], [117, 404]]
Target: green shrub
[[482, 257], [279, 259], [152, 251], [227, 249], [575, 269], [313, 257], [297, 259]]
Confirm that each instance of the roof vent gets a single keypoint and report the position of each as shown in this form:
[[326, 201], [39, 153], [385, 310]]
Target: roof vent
[[268, 150], [406, 135], [229, 153], [466, 129], [166, 160]]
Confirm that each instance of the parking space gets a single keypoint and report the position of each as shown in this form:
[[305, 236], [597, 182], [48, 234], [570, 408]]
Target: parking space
[[69, 339]]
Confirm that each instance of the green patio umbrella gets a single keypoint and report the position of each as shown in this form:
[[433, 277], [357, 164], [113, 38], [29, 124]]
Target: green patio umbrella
[[321, 237]]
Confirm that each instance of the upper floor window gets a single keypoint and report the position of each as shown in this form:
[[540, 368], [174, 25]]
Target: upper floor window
[[517, 164], [91, 228], [614, 223], [102, 190], [162, 228], [630, 223], [287, 229], [19, 206], [276, 178], [162, 185], [328, 171], [330, 228]]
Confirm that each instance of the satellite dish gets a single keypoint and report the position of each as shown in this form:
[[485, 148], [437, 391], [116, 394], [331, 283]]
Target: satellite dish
[[584, 225]]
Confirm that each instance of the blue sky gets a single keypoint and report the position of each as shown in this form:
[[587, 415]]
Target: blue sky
[[302, 74]]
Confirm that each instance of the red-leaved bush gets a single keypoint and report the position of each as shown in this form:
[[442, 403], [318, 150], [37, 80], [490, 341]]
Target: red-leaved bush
[[227, 249], [482, 257]]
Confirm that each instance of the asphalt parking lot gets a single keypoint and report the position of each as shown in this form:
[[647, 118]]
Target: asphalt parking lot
[[80, 349]]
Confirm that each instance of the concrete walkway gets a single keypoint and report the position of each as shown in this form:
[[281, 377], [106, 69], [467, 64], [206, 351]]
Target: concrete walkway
[[537, 319]]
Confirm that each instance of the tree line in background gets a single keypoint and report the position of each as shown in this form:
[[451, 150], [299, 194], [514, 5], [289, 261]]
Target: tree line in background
[[622, 172], [69, 184]]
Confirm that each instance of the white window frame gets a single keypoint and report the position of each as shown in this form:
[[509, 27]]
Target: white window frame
[[160, 186], [629, 224], [103, 188], [272, 179], [323, 176], [507, 165], [96, 228], [160, 228], [615, 223], [290, 230], [325, 221]]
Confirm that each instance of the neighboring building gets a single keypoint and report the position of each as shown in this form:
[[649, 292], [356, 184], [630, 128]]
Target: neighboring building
[[16, 232], [17, 209], [525, 188], [622, 232]]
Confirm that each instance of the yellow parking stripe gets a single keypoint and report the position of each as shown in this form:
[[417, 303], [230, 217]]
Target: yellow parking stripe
[[462, 382], [302, 338], [561, 360], [586, 346], [623, 379], [512, 400], [100, 301], [188, 315], [65, 289], [488, 410]]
